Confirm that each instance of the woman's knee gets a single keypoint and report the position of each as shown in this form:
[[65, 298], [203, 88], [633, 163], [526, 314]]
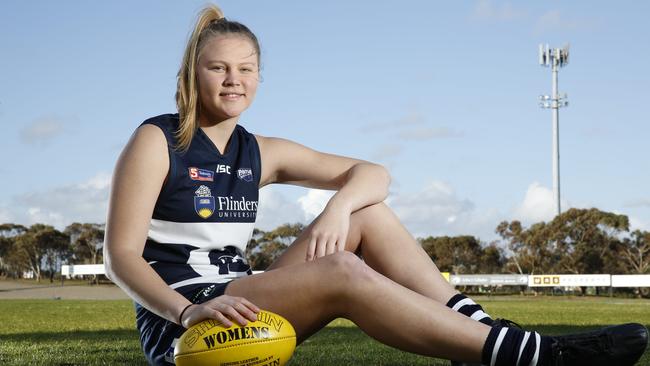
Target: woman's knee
[[369, 218], [370, 214], [348, 268]]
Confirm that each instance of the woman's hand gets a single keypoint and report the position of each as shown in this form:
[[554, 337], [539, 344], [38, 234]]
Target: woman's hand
[[330, 231], [223, 308]]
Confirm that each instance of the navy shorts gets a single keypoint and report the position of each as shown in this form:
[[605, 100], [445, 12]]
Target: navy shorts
[[158, 336]]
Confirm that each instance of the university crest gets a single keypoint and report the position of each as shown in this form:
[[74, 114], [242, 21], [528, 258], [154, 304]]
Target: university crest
[[204, 204]]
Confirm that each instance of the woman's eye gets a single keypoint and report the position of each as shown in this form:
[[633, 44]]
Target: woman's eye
[[217, 68], [247, 70]]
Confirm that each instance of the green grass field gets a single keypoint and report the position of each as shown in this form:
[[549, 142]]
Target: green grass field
[[85, 332]]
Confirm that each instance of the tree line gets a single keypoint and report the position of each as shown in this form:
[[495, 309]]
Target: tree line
[[578, 241], [42, 249]]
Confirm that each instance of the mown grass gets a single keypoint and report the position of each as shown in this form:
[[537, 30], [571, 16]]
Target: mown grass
[[85, 332]]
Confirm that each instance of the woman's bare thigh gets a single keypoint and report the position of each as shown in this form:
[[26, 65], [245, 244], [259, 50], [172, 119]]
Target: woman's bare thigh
[[307, 294]]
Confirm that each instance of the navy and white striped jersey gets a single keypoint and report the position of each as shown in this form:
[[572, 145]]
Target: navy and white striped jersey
[[205, 213]]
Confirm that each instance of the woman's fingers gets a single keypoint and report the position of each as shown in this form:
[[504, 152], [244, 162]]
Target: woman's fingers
[[321, 247], [232, 313], [245, 311], [225, 309], [311, 249], [222, 318], [331, 246], [340, 245], [250, 305]]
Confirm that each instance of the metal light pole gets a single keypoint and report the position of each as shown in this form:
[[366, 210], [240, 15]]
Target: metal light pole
[[556, 58]]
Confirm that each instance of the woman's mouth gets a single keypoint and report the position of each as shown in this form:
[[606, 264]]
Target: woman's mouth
[[231, 96]]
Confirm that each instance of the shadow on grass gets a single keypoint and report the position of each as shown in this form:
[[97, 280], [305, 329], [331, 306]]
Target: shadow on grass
[[349, 345], [331, 346]]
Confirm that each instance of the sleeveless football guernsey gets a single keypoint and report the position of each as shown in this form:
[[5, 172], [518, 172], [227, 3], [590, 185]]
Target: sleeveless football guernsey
[[205, 213]]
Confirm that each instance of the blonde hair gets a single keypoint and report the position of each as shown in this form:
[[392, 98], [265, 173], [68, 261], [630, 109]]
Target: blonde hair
[[211, 22]]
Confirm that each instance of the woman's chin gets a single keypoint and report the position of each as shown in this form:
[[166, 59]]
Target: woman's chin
[[223, 115]]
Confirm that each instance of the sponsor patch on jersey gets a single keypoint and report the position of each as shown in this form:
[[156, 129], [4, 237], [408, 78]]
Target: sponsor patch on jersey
[[204, 202], [199, 174], [245, 174]]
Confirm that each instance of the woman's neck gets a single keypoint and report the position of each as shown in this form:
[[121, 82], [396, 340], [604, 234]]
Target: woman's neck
[[219, 131]]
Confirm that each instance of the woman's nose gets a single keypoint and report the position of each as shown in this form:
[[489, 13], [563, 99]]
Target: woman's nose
[[232, 78]]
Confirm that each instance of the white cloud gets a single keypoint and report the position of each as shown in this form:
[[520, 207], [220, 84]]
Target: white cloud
[[60, 206], [276, 209], [412, 126], [42, 130], [5, 215], [538, 205], [429, 133], [386, 151], [411, 119], [554, 21], [641, 202], [437, 210], [486, 11], [638, 224], [434, 210], [314, 202]]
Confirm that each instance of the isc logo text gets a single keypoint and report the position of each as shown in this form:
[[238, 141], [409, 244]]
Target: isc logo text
[[221, 168]]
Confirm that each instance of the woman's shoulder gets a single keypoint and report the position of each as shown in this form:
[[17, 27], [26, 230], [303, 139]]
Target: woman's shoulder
[[168, 121]]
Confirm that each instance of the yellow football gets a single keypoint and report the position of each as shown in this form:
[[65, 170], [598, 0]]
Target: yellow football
[[268, 341]]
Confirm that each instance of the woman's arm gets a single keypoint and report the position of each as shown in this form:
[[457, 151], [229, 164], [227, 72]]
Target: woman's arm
[[138, 178], [359, 184]]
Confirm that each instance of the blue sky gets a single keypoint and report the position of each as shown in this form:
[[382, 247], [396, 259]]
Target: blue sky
[[444, 94]]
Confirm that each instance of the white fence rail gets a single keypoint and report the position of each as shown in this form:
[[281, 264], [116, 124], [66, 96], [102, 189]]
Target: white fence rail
[[74, 270], [631, 281], [550, 280], [598, 280], [488, 280], [82, 270]]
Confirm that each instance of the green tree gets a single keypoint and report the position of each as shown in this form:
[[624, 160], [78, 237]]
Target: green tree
[[586, 240], [457, 254], [635, 252], [531, 250], [41, 248], [266, 247], [87, 241], [492, 259], [8, 233]]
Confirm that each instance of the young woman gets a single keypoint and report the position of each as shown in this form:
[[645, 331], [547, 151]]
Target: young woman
[[182, 209]]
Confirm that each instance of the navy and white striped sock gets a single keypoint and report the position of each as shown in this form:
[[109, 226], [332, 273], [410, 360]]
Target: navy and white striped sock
[[515, 347], [468, 307]]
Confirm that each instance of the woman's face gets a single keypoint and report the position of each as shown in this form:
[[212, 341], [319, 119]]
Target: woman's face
[[228, 74]]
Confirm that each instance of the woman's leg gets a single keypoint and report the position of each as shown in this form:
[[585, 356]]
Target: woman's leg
[[312, 294], [388, 248]]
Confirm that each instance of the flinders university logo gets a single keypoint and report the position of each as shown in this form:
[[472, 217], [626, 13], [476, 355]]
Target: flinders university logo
[[204, 202]]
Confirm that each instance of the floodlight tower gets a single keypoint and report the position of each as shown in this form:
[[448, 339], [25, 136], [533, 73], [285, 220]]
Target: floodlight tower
[[556, 58]]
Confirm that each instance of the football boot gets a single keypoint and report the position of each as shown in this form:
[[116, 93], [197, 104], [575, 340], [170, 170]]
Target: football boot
[[619, 345]]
